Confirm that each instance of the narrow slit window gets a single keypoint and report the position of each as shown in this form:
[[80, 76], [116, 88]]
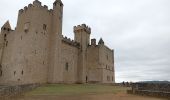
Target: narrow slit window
[[66, 66], [14, 73], [22, 72]]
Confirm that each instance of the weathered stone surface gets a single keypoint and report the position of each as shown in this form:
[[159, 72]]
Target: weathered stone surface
[[8, 91], [36, 51]]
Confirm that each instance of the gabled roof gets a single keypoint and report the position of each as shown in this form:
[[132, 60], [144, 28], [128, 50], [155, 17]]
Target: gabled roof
[[7, 25]]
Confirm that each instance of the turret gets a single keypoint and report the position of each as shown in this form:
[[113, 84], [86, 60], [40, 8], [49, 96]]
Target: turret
[[5, 29], [93, 42], [101, 42], [82, 35], [57, 17]]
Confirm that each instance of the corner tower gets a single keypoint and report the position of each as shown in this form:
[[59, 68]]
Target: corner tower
[[57, 18], [55, 74]]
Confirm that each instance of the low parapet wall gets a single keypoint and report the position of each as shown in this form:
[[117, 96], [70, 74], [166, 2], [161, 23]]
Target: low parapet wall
[[151, 89], [8, 91]]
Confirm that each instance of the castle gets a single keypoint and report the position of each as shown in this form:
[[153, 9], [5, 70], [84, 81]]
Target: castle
[[37, 52]]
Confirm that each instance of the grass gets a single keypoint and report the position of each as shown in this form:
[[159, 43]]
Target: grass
[[75, 89]]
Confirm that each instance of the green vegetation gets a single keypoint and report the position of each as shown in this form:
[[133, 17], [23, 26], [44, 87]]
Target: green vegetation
[[75, 89]]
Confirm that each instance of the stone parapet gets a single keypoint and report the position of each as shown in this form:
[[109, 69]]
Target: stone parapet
[[70, 42], [82, 27]]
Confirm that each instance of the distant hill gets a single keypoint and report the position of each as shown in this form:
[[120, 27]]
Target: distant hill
[[154, 82]]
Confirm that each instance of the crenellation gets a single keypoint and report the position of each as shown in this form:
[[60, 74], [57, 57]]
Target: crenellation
[[25, 8], [50, 55], [30, 5], [82, 27], [46, 7], [37, 3], [51, 10], [70, 42], [21, 11]]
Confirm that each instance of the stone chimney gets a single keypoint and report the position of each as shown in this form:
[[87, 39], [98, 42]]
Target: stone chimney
[[93, 42]]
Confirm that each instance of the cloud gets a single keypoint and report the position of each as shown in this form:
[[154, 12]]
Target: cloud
[[138, 30]]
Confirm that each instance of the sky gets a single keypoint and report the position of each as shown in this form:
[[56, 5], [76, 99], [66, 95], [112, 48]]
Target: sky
[[138, 31]]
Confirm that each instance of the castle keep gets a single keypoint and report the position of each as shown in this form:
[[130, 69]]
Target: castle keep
[[37, 52]]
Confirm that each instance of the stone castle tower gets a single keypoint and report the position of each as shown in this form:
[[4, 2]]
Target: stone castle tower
[[37, 52]]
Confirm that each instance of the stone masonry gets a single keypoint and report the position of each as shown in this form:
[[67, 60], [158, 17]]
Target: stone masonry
[[37, 52]]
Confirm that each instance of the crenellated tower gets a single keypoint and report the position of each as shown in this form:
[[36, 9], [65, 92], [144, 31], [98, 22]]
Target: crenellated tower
[[82, 36], [55, 68], [57, 17]]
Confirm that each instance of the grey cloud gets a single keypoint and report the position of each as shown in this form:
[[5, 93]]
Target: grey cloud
[[138, 30]]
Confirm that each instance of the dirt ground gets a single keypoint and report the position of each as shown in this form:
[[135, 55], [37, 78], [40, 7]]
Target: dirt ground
[[119, 96]]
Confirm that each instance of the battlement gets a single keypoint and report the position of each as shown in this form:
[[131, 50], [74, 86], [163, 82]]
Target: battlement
[[70, 42], [35, 3], [58, 2], [82, 27]]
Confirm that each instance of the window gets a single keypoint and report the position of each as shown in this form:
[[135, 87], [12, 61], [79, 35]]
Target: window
[[108, 78], [107, 57], [22, 72], [6, 43], [44, 27], [112, 78], [66, 66], [5, 37], [21, 37], [26, 26], [14, 73]]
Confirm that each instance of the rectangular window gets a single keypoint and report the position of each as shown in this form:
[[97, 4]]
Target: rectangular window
[[14, 73], [108, 78], [44, 27], [26, 26], [22, 72], [6, 43], [107, 56]]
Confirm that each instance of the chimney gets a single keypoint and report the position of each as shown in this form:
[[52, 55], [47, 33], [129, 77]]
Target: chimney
[[93, 42]]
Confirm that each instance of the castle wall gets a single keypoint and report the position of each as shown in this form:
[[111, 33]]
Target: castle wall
[[29, 55], [6, 62], [69, 63], [36, 51], [1, 45], [106, 62], [94, 70]]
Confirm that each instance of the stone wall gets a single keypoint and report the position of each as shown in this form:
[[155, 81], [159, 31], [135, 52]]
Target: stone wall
[[8, 91], [151, 89]]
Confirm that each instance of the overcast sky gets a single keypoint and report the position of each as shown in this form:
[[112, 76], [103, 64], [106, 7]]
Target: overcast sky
[[138, 30]]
